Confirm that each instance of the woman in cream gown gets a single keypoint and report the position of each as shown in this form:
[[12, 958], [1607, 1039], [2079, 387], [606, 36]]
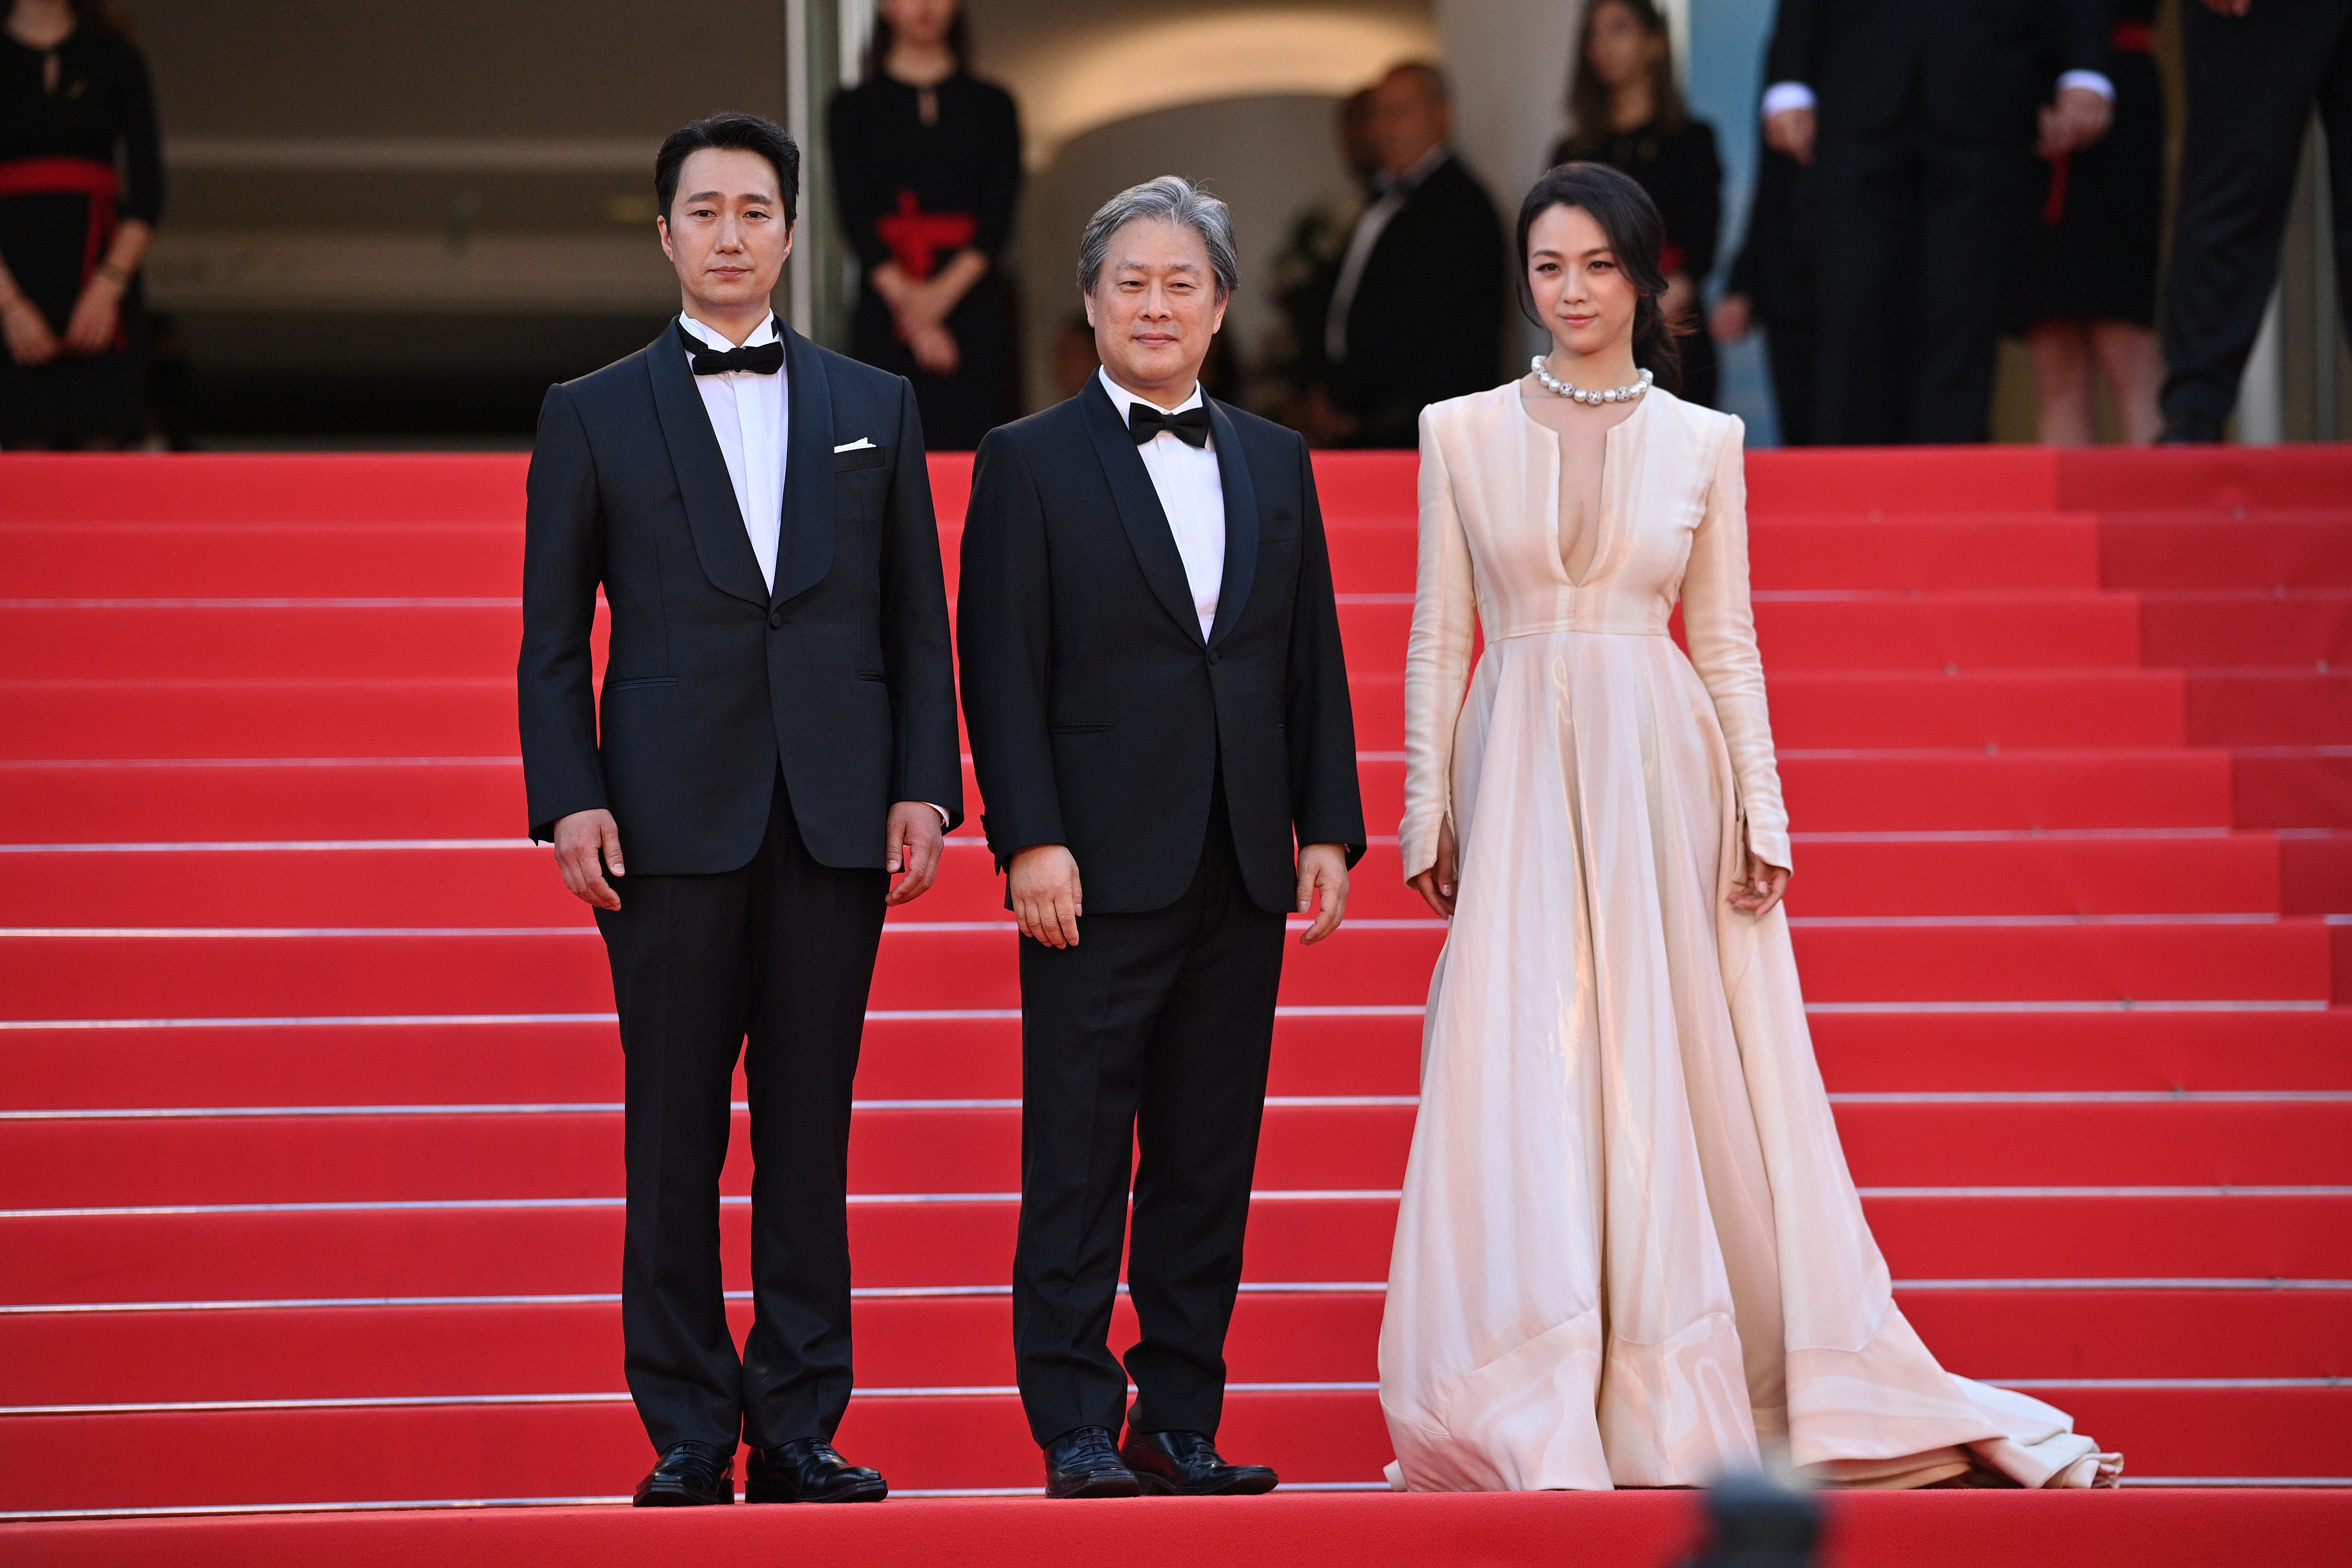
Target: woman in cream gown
[[1629, 1252]]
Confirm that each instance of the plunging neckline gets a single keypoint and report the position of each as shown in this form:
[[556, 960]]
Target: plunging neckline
[[1601, 539]]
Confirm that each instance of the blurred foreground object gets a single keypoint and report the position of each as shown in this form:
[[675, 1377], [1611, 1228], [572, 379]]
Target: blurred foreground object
[[1760, 1522]]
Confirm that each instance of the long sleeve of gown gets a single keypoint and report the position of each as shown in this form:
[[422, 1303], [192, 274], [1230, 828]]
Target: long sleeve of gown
[[1436, 660], [1721, 629]]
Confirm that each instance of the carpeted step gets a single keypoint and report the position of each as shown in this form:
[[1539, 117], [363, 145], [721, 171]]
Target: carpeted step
[[248, 561], [2225, 481], [2246, 627], [2201, 552], [2291, 786], [518, 1061], [2316, 872], [1982, 788], [310, 489], [2269, 708], [474, 716], [237, 972], [2158, 1527], [595, 1448], [1891, 1140], [304, 798], [2113, 873], [497, 1248], [512, 882], [268, 800], [1801, 629], [925, 1442], [351, 637], [556, 1346], [376, 638], [544, 1347]]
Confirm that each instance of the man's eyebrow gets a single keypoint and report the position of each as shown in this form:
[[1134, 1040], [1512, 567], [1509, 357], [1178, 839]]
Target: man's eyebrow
[[759, 198], [1145, 265]]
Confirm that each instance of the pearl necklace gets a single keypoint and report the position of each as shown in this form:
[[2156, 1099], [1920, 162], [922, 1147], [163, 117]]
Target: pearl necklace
[[1559, 388]]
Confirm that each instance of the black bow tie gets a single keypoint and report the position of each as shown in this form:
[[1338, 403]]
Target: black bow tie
[[765, 360], [1190, 427]]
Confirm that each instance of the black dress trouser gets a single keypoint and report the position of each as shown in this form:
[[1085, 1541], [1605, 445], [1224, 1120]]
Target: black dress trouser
[[1913, 224], [1789, 346], [2251, 84], [1155, 1030], [772, 960]]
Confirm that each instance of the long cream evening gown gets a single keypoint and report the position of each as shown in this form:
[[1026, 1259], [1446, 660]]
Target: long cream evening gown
[[1629, 1251]]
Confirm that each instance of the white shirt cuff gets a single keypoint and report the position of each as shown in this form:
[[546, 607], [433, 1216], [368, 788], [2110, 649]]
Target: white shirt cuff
[[1784, 95], [942, 811], [2096, 80]]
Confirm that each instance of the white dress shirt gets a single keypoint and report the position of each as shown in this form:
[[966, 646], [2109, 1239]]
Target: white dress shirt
[[749, 413], [1784, 95], [1192, 492]]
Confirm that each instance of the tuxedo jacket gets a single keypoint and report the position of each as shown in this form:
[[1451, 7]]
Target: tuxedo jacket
[[1977, 68], [1426, 320], [843, 674], [1099, 716]]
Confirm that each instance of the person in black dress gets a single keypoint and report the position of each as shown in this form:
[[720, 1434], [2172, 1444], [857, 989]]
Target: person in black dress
[[2082, 287], [926, 162], [77, 117], [1628, 114]]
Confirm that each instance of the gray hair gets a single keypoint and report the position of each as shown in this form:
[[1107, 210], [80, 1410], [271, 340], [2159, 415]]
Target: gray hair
[[1171, 198]]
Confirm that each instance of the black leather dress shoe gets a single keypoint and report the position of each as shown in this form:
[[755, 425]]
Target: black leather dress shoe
[[1084, 1464], [807, 1470], [1186, 1464], [2189, 430], [688, 1474]]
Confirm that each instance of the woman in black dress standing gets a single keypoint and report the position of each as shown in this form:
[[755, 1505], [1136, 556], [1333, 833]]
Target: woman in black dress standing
[[2082, 284], [81, 184], [1628, 113], [927, 159]]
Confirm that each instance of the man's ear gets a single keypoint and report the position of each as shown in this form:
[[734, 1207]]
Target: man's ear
[[661, 230], [790, 233], [1088, 301]]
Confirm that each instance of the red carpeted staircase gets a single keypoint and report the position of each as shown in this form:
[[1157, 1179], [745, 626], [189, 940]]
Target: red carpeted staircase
[[310, 1133]]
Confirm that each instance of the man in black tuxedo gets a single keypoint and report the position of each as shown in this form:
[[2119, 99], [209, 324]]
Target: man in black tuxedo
[[778, 738], [1919, 118], [2254, 69], [1417, 315], [1157, 702]]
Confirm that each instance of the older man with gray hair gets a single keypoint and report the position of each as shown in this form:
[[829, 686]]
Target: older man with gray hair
[[1157, 707]]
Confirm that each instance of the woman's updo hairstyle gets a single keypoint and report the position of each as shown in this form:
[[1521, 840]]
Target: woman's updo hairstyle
[[1638, 236]]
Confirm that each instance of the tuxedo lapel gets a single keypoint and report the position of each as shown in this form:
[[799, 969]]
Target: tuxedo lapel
[[720, 543], [804, 554], [1241, 522], [1140, 512]]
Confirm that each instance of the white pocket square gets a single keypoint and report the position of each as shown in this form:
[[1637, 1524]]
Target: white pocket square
[[863, 443]]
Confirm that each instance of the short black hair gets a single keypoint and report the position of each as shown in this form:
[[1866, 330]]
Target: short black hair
[[749, 132], [1637, 233]]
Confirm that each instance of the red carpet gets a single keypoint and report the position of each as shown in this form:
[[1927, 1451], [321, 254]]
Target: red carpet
[[310, 1149]]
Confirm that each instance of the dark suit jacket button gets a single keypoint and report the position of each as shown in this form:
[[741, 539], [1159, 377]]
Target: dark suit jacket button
[[1213, 655], [776, 620]]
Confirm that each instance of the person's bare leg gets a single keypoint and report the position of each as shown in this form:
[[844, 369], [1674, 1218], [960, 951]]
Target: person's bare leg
[[2134, 366], [2061, 374]]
